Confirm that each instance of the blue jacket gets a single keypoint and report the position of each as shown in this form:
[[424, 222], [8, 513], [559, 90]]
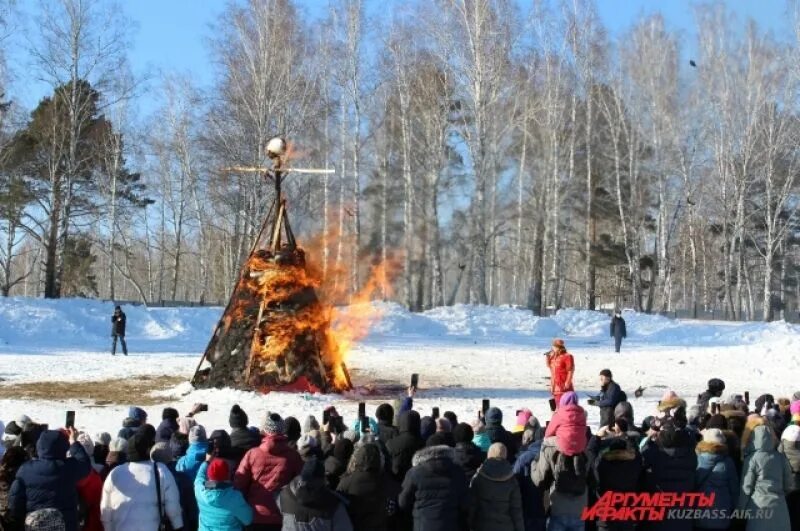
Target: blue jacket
[[195, 456], [50, 481], [533, 512], [222, 508], [716, 473]]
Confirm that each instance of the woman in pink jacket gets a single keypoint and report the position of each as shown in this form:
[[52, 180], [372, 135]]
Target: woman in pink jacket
[[568, 425]]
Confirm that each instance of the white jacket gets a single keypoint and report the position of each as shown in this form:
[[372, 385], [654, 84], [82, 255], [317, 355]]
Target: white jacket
[[129, 500]]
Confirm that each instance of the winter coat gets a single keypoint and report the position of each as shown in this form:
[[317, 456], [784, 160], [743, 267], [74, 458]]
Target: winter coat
[[222, 508], [610, 396], [436, 490], [309, 506], [242, 441], [495, 501], [766, 481], [334, 469], [560, 366], [533, 513], [403, 447], [90, 492], [187, 498], [481, 440], [263, 472], [617, 328], [569, 427], [386, 432], [195, 456], [372, 499], [130, 501], [617, 470], [50, 481], [791, 449], [670, 469], [716, 473], [544, 472], [469, 457], [118, 323]]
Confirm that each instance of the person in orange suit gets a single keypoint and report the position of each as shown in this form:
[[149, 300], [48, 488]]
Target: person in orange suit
[[562, 368]]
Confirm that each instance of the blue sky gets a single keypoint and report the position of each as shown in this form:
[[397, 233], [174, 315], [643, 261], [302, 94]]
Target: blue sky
[[172, 34]]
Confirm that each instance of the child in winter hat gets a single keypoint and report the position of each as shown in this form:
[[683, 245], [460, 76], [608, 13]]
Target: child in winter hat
[[273, 424], [237, 418], [197, 434]]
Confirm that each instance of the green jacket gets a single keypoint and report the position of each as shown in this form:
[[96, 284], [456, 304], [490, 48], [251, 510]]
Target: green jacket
[[766, 480]]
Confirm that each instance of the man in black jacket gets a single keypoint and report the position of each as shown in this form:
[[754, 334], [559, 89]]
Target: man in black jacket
[[618, 331], [118, 321], [50, 481], [435, 490], [610, 395]]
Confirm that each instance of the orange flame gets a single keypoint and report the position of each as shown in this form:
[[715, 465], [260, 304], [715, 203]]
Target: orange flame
[[297, 327]]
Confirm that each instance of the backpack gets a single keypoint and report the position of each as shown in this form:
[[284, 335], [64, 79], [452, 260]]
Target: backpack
[[570, 474]]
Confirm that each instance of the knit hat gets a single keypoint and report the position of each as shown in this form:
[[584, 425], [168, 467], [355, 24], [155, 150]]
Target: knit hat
[[606, 373], [494, 417], [103, 438], [713, 435], [306, 445], [796, 396], [45, 520], [669, 394], [218, 470], [137, 413], [310, 424], [161, 453], [443, 425], [169, 413], [197, 434], [569, 398], [463, 433], [237, 418], [273, 424], [138, 447], [86, 442], [385, 413], [523, 415]]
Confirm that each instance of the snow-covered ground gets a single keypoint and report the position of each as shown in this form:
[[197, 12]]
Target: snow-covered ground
[[463, 354]]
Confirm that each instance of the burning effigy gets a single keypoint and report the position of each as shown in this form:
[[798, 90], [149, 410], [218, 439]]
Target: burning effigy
[[275, 334]]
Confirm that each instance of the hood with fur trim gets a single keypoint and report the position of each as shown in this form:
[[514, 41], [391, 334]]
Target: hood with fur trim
[[671, 403], [622, 454], [433, 453], [752, 423], [704, 447]]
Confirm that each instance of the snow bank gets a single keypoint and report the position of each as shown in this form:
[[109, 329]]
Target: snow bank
[[660, 330], [66, 324], [503, 323]]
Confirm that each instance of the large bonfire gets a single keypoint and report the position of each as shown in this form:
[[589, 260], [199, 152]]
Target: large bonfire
[[276, 333]]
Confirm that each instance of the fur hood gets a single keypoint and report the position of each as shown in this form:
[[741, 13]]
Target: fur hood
[[433, 453], [672, 403], [733, 413], [627, 454], [752, 423], [704, 447]]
